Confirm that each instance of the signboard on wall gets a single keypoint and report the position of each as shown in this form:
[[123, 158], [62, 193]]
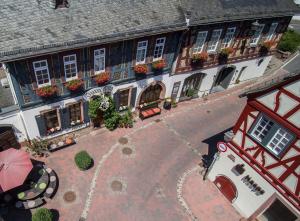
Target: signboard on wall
[[222, 147]]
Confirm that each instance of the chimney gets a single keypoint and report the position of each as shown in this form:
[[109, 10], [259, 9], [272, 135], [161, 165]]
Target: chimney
[[52, 4]]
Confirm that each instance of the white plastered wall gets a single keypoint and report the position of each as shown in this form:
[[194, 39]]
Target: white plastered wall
[[14, 120]]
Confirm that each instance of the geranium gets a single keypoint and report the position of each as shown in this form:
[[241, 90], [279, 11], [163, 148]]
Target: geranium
[[74, 85], [46, 91], [199, 57], [226, 51], [159, 65], [141, 69], [268, 44], [102, 78]]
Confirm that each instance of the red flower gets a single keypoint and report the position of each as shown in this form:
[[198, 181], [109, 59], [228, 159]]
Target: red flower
[[46, 91], [268, 44], [203, 56], [141, 69], [159, 65], [74, 85], [102, 78], [227, 51]]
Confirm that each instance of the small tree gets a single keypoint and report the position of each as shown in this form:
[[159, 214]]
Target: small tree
[[37, 146], [290, 41], [42, 214]]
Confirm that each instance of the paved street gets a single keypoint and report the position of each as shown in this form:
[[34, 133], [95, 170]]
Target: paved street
[[294, 65], [152, 172]]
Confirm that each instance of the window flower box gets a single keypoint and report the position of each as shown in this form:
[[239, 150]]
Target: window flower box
[[224, 54], [47, 91], [74, 85], [265, 47], [102, 78], [199, 58], [141, 69], [53, 130], [158, 65]]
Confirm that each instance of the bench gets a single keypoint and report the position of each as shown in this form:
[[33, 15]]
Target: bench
[[149, 111]]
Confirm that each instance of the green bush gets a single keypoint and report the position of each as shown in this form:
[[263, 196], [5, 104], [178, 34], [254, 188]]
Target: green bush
[[83, 160], [94, 108], [38, 147], [190, 92], [126, 120], [42, 214], [290, 41]]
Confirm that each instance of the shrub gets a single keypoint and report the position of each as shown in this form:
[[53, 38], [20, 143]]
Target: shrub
[[38, 147], [126, 120], [290, 41], [112, 121], [94, 105], [83, 160], [42, 214], [190, 92]]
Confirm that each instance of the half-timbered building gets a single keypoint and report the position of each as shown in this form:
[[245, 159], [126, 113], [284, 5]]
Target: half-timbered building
[[260, 171], [49, 43]]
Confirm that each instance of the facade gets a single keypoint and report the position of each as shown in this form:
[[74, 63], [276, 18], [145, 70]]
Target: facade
[[68, 44], [259, 172]]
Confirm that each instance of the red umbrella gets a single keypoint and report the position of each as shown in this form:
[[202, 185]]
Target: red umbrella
[[15, 165]]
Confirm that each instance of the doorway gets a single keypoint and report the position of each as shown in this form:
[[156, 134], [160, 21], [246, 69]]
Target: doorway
[[223, 78], [191, 86], [98, 120], [151, 94], [227, 187], [8, 138]]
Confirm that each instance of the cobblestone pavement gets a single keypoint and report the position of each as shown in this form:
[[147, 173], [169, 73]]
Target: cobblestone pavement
[[154, 176]]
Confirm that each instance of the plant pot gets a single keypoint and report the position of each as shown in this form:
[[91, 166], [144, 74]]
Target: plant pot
[[69, 140], [167, 105]]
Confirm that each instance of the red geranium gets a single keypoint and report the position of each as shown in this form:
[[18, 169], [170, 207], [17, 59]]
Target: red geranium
[[203, 56], [74, 85], [159, 65], [102, 78], [46, 91], [268, 44], [141, 69], [227, 51]]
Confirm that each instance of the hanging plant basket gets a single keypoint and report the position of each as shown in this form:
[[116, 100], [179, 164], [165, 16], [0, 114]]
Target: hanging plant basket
[[102, 78], [74, 85], [141, 69], [224, 54], [159, 65], [47, 91], [199, 58]]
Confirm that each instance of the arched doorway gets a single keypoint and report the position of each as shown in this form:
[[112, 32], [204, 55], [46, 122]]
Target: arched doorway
[[224, 77], [191, 86], [227, 187], [152, 93], [7, 138]]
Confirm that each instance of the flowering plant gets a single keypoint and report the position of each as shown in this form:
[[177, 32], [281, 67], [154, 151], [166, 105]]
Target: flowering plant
[[74, 85], [102, 78], [226, 51], [267, 44], [199, 57], [159, 65], [141, 69], [46, 91]]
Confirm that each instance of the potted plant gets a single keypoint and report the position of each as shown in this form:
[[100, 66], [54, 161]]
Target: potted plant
[[102, 78], [265, 47], [141, 69], [224, 54], [46, 91], [199, 58], [168, 103], [190, 92], [74, 85], [158, 66]]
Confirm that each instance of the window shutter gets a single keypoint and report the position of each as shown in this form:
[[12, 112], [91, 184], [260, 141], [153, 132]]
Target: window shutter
[[133, 97], [86, 117], [117, 100], [65, 118], [41, 125]]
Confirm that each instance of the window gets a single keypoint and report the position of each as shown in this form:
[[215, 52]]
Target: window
[[99, 60], [256, 36], [159, 48], [271, 135], [75, 114], [272, 31], [151, 94], [228, 37], [141, 52], [200, 40], [124, 99], [214, 40], [70, 66], [52, 121], [41, 72]]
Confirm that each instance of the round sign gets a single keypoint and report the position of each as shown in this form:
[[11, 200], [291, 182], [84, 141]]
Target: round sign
[[222, 147]]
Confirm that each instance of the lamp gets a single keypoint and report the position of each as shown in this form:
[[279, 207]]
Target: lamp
[[254, 25]]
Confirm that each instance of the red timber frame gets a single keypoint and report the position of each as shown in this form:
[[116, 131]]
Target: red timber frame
[[252, 160]]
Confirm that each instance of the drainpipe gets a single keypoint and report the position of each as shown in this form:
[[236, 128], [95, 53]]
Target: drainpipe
[[24, 126]]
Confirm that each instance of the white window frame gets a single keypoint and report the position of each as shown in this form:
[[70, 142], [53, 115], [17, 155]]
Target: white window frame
[[100, 56], [272, 30], [39, 69], [141, 48], [157, 48], [272, 149], [216, 41], [199, 45], [228, 38], [257, 125], [70, 62], [258, 33]]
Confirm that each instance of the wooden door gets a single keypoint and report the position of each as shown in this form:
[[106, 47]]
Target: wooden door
[[226, 186], [8, 139]]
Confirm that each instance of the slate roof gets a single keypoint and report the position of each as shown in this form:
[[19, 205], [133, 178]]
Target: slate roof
[[31, 27]]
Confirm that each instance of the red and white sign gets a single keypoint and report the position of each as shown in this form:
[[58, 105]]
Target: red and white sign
[[222, 147]]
